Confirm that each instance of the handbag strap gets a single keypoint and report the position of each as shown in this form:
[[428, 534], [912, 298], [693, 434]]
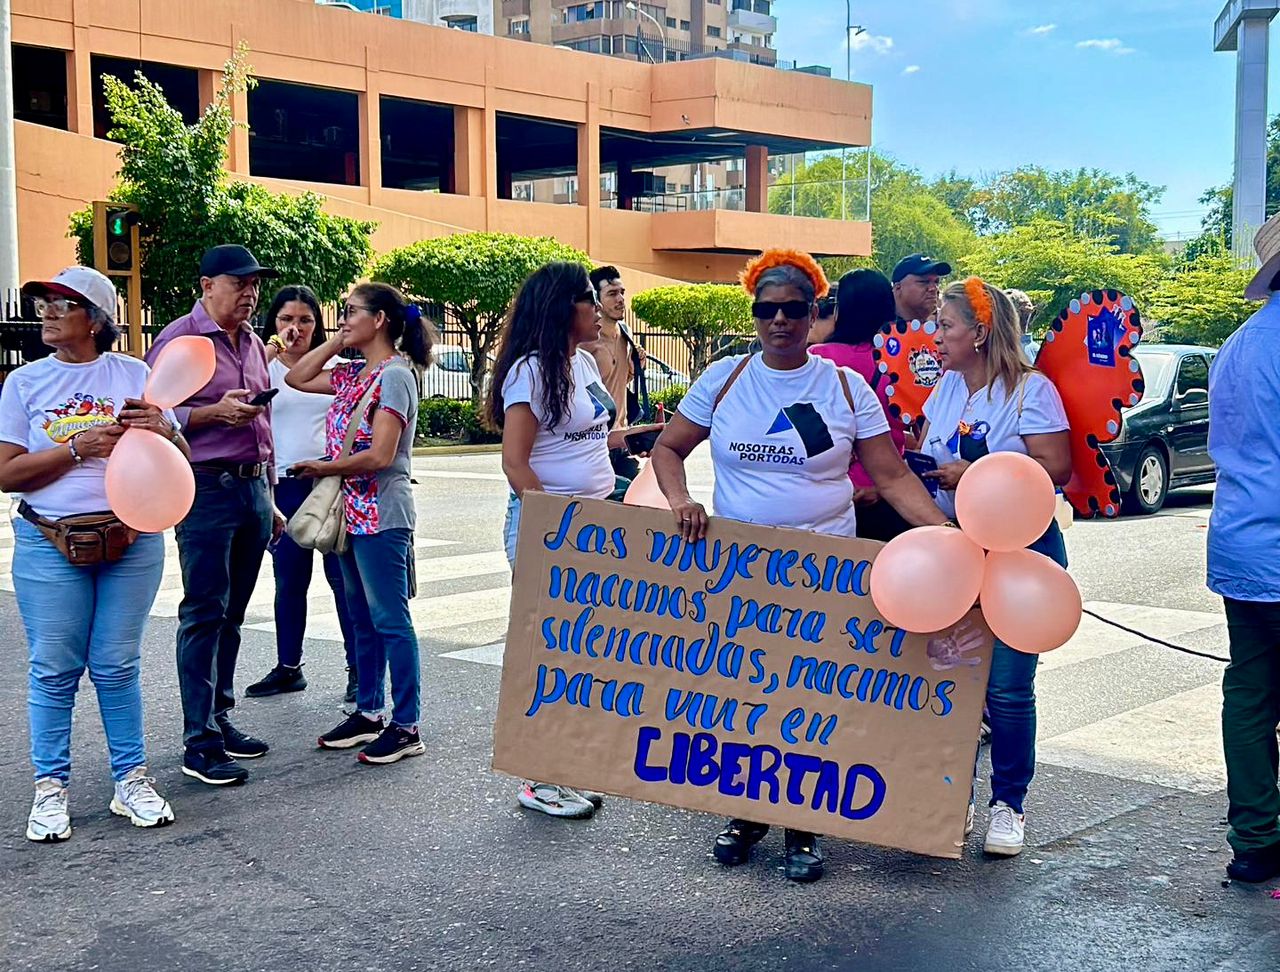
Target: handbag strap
[[362, 406]]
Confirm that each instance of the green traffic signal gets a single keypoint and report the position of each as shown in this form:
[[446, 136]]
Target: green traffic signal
[[117, 226]]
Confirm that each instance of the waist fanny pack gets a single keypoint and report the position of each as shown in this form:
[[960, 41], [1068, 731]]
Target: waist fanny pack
[[87, 539]]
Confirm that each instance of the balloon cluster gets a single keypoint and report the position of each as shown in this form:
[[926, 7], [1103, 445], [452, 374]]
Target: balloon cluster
[[927, 579], [149, 482]]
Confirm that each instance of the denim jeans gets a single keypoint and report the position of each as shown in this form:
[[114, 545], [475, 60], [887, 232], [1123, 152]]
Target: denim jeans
[[220, 545], [293, 580], [375, 569], [78, 618], [511, 529], [1011, 703]]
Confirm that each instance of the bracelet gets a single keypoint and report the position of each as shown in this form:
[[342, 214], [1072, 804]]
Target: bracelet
[[952, 524], [71, 444]]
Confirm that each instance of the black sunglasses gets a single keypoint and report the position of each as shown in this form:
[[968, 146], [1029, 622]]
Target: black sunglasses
[[792, 310], [586, 297]]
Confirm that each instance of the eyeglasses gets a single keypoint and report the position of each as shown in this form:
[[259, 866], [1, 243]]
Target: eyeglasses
[[59, 305], [586, 297], [347, 310], [792, 310]]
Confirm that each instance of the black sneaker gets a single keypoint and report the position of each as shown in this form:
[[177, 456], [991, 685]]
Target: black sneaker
[[392, 745], [213, 766], [350, 696], [279, 680], [240, 745], [803, 857], [1256, 866], [355, 730], [734, 843]]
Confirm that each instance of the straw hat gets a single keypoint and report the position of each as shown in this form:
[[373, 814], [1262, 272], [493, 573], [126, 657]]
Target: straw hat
[[1267, 245]]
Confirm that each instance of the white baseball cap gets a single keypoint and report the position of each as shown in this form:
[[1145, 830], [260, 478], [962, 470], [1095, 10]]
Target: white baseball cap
[[83, 283]]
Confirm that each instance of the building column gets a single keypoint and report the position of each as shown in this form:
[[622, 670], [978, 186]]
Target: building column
[[757, 179], [468, 151], [589, 165], [489, 143], [369, 111], [1250, 192], [626, 186], [79, 72]]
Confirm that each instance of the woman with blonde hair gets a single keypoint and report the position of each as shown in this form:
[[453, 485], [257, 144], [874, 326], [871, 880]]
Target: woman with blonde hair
[[990, 399]]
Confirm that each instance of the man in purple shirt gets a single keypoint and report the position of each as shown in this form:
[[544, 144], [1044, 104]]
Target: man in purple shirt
[[222, 540]]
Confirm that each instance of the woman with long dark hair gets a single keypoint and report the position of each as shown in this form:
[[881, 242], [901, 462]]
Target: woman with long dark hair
[[378, 502], [294, 326], [548, 399]]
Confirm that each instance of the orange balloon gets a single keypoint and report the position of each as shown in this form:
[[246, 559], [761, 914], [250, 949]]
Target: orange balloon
[[1030, 603], [149, 482], [926, 579], [644, 490], [183, 366], [1005, 501]]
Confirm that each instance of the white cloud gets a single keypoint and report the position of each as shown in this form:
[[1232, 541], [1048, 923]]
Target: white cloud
[[1112, 45], [1042, 31], [911, 69], [874, 42]]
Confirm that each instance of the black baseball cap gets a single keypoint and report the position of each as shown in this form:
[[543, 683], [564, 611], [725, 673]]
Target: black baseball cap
[[233, 260], [921, 266]]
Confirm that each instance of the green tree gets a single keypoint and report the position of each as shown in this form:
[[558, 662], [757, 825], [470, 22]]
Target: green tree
[[175, 174], [906, 216], [471, 279], [1202, 301], [697, 314], [1053, 265]]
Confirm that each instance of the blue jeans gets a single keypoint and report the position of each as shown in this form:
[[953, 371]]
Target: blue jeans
[[511, 529], [78, 618], [1011, 703], [220, 545], [293, 580], [375, 569]]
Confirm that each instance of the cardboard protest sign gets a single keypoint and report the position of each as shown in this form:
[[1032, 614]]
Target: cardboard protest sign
[[748, 676]]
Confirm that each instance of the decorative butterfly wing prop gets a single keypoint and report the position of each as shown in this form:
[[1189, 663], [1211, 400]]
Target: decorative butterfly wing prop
[[907, 358], [1087, 354]]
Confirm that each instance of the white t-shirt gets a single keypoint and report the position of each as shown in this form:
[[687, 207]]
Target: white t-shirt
[[297, 420], [782, 441], [990, 425], [571, 459], [45, 403]]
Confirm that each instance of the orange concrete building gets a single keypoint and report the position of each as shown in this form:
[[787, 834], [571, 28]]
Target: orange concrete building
[[425, 129]]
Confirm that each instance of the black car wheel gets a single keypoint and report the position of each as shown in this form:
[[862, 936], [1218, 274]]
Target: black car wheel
[[1150, 482]]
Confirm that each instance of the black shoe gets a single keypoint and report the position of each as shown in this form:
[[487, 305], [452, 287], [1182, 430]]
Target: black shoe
[[350, 696], [354, 730], [213, 766], [804, 857], [1255, 866], [239, 745], [394, 744], [734, 843], [279, 680]]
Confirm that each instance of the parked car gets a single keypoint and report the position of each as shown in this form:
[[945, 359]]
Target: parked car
[[449, 374], [1164, 439], [658, 375]]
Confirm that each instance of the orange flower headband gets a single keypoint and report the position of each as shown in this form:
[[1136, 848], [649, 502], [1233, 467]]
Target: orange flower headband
[[984, 311], [769, 259]]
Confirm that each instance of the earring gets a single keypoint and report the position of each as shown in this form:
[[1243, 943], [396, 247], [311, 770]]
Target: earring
[[977, 347]]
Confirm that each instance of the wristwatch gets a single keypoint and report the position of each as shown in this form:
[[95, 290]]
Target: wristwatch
[[175, 430]]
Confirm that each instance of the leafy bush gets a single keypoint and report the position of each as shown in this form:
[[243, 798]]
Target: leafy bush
[[698, 314], [444, 418], [668, 398]]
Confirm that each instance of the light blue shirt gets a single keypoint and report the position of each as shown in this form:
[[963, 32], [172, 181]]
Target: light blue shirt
[[1244, 443]]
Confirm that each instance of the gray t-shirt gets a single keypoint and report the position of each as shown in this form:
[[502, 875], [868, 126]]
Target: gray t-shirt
[[382, 500]]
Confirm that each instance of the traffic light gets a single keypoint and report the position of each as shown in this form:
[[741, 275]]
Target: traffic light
[[122, 251]]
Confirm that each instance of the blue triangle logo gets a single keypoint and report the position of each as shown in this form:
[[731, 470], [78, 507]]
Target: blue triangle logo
[[780, 424]]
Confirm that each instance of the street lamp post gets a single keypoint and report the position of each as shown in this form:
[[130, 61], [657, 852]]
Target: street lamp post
[[849, 28], [661, 33]]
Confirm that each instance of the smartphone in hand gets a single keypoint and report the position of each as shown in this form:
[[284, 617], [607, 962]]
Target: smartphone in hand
[[263, 397], [921, 463]]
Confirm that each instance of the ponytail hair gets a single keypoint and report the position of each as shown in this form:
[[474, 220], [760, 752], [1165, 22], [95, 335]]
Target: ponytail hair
[[411, 333]]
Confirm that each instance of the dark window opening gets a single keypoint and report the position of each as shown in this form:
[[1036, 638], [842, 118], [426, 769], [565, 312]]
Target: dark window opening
[[417, 145], [470, 24], [305, 133], [181, 87], [40, 86], [529, 149]]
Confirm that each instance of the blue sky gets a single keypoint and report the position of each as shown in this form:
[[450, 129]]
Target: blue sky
[[986, 85]]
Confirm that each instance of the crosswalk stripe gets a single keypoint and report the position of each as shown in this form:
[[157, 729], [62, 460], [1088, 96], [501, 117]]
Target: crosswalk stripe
[[429, 613], [482, 655], [1094, 639]]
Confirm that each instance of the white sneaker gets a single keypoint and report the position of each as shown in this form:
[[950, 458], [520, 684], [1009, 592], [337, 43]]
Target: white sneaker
[[557, 801], [137, 799], [1007, 831], [50, 820], [968, 820], [593, 797]]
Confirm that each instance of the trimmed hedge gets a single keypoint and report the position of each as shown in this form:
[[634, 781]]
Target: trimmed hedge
[[444, 418], [669, 398]]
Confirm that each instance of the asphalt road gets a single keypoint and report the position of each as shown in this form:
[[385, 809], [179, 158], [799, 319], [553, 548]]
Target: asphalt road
[[320, 863]]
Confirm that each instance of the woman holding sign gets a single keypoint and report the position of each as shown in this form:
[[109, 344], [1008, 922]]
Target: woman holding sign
[[549, 400], [784, 428], [83, 580], [990, 399]]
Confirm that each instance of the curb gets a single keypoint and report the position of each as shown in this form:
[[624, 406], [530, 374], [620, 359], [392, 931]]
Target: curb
[[457, 450]]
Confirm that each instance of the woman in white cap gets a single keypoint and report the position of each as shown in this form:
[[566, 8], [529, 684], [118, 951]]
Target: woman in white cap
[[84, 581]]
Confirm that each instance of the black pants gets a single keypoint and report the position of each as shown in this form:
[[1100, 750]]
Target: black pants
[[1250, 714], [880, 521], [624, 463]]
